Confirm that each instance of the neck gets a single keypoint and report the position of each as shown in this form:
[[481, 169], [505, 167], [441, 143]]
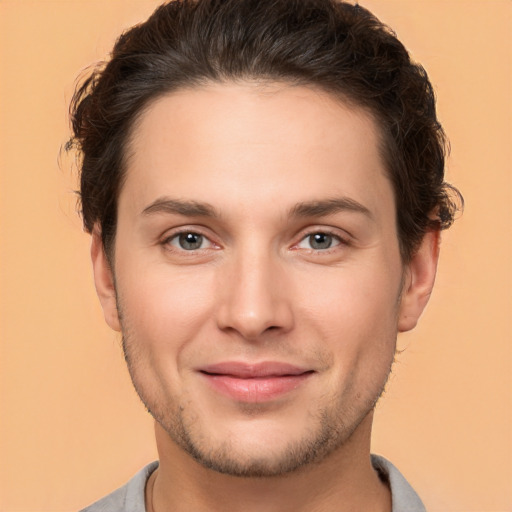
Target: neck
[[343, 481]]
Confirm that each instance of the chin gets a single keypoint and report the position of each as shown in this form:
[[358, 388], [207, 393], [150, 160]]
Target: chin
[[258, 449]]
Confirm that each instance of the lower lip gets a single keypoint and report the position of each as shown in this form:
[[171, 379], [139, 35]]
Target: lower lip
[[256, 389]]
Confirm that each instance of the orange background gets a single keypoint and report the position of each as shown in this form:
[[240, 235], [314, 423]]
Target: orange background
[[72, 428]]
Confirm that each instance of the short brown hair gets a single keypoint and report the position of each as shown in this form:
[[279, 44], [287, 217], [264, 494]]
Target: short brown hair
[[338, 47]]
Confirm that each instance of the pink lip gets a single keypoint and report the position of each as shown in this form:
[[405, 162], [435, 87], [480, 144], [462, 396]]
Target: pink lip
[[254, 382]]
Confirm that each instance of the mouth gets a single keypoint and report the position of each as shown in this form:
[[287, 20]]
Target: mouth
[[255, 383]]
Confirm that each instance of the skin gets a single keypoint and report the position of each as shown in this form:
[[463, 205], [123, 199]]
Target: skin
[[267, 164]]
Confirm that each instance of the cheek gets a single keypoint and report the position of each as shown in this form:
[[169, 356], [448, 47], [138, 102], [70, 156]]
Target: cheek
[[165, 308], [355, 310], [355, 291], [163, 313]]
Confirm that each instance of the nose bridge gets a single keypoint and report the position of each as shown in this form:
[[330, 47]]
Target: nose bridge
[[254, 293]]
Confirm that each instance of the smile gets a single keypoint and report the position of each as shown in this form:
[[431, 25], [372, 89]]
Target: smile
[[254, 383]]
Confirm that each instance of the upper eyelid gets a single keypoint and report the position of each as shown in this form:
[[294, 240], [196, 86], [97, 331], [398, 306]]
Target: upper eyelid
[[340, 234], [340, 242], [170, 245], [343, 238], [173, 232]]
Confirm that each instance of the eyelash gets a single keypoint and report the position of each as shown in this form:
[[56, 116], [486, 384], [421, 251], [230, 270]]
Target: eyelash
[[340, 241], [175, 236]]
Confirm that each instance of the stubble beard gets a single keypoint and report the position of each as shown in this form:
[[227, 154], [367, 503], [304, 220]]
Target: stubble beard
[[328, 434]]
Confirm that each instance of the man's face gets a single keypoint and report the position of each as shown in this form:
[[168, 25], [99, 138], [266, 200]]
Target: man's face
[[257, 272]]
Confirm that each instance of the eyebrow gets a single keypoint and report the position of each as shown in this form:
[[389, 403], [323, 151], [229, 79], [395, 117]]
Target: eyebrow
[[329, 207], [180, 207], [303, 209]]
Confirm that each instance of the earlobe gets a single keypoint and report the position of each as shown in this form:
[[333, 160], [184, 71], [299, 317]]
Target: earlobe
[[104, 281], [419, 281]]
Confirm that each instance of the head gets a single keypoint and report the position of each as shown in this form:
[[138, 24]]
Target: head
[[264, 185]]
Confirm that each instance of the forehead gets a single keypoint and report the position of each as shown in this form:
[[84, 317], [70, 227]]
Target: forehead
[[253, 142]]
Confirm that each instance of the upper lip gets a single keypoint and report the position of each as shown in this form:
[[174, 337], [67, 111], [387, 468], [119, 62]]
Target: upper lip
[[254, 370]]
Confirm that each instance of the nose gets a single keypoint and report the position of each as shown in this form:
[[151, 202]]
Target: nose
[[256, 298]]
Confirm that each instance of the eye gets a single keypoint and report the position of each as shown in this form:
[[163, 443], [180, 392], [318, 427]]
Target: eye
[[319, 241], [189, 241]]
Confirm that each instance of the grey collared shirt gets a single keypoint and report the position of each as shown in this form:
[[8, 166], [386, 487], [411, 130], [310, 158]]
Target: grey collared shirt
[[130, 497]]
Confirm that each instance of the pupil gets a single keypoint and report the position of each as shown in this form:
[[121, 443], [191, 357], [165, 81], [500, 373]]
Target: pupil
[[190, 241], [320, 241]]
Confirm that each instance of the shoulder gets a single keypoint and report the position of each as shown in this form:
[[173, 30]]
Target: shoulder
[[403, 496], [128, 498]]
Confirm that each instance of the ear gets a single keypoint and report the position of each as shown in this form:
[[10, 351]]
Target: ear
[[104, 281], [420, 275]]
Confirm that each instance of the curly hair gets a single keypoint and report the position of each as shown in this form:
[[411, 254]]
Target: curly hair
[[332, 45]]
